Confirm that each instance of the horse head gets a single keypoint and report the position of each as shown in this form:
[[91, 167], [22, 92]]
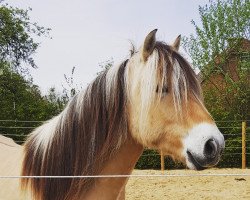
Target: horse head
[[165, 106]]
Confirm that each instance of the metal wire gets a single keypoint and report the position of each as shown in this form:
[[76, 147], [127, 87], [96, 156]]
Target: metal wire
[[148, 155], [16, 135], [233, 147], [232, 134], [229, 127], [12, 120], [236, 140], [239, 134], [17, 127], [125, 176], [234, 120], [22, 141], [20, 121], [234, 154]]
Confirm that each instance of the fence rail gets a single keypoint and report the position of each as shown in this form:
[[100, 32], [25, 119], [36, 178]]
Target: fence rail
[[16, 128]]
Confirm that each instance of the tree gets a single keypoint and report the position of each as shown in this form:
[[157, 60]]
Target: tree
[[220, 49], [20, 99], [17, 45], [70, 88], [56, 100], [105, 65], [220, 39]]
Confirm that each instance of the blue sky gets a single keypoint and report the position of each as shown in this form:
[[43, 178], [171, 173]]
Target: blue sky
[[87, 32]]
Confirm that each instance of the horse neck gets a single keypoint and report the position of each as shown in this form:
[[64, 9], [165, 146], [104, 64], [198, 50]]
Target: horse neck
[[122, 163]]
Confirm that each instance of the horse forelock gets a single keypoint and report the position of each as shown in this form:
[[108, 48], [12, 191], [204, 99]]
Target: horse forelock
[[182, 78], [80, 140], [164, 68]]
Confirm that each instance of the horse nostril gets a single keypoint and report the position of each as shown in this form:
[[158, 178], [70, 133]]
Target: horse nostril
[[210, 149]]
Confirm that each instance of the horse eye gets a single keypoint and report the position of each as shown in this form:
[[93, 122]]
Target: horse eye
[[164, 89]]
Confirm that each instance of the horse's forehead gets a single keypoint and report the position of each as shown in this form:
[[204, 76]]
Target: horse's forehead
[[161, 59]]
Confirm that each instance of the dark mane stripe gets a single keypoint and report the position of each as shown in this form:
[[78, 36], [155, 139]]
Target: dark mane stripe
[[165, 53], [85, 133]]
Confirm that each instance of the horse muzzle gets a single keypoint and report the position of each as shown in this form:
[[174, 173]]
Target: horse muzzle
[[203, 146]]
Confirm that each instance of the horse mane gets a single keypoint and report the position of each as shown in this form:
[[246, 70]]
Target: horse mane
[[180, 73], [165, 68], [93, 126], [79, 141]]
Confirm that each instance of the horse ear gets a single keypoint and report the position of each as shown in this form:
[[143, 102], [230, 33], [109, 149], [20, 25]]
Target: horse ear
[[148, 45], [176, 43]]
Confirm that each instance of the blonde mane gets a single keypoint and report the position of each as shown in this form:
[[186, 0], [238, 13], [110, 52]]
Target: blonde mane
[[165, 67]]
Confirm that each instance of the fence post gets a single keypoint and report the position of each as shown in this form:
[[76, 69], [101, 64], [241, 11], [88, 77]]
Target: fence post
[[162, 163], [243, 145]]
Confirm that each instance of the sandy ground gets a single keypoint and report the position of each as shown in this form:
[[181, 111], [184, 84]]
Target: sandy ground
[[187, 188]]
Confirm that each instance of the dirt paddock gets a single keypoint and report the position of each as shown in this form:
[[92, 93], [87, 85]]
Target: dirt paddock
[[187, 188]]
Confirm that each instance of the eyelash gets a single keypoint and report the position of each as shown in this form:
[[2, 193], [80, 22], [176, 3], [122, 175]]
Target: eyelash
[[164, 89]]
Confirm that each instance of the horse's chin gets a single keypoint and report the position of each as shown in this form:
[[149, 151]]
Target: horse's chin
[[189, 161], [192, 163]]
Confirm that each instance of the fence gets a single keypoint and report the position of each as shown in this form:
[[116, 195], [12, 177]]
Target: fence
[[236, 134], [237, 148]]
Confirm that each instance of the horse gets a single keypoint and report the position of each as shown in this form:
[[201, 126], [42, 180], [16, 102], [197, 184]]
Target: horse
[[152, 99]]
